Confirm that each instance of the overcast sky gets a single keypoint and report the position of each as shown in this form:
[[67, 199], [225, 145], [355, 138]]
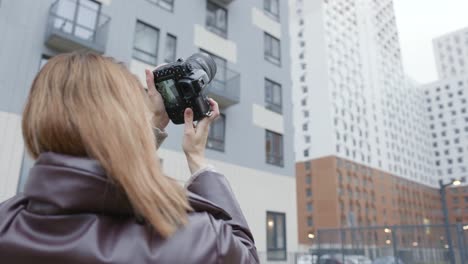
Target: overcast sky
[[419, 21]]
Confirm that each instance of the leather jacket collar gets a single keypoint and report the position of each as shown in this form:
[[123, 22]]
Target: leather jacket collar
[[62, 184]]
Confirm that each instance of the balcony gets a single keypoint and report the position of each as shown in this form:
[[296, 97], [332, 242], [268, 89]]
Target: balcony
[[74, 25], [225, 87]]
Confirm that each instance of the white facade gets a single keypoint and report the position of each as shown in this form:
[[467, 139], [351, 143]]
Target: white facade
[[447, 109], [451, 53], [352, 98]]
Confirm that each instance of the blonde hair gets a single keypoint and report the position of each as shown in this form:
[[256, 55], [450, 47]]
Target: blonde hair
[[83, 104]]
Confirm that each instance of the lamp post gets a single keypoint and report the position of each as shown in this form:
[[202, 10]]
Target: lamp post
[[448, 234]]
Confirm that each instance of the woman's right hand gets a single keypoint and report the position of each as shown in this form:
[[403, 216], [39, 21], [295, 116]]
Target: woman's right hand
[[195, 138]]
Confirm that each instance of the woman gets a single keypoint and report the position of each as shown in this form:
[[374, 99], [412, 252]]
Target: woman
[[96, 193]]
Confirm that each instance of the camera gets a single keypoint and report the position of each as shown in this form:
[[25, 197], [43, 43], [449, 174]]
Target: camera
[[181, 84]]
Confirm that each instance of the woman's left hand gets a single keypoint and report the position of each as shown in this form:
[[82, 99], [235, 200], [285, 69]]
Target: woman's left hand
[[159, 118]]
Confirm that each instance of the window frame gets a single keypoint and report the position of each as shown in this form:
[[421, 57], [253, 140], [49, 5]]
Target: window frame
[[221, 149], [155, 62], [270, 159], [276, 215], [268, 56], [269, 84], [214, 28]]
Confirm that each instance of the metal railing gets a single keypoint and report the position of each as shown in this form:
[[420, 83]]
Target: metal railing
[[412, 244], [225, 87], [66, 32]]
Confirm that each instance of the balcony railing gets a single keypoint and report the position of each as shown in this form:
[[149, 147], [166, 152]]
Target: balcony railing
[[225, 87], [75, 26]]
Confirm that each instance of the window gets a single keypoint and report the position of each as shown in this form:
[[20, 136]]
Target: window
[[310, 221], [216, 19], [165, 4], [145, 44], [216, 135], [274, 148], [308, 192], [171, 48], [307, 166], [276, 236], [310, 208], [308, 179], [272, 49], [273, 98]]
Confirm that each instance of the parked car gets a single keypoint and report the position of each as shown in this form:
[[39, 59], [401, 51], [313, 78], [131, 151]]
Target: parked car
[[388, 260]]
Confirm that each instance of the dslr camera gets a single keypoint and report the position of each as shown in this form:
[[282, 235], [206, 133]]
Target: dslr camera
[[181, 84]]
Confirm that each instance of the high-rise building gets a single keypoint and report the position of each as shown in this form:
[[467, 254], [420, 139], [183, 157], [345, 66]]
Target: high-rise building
[[252, 142], [447, 109], [354, 105], [451, 53], [352, 98]]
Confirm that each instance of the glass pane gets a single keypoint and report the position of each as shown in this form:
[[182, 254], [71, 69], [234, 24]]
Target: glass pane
[[86, 19], [65, 16], [171, 46], [275, 48], [146, 43], [274, 9], [280, 243], [276, 94], [271, 232]]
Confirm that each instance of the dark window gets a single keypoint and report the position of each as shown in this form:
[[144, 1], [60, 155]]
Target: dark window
[[310, 207], [274, 148], [165, 4], [216, 136], [310, 221], [272, 49], [272, 8], [276, 236], [216, 19], [308, 192], [171, 48], [145, 44], [273, 98], [307, 165], [308, 179]]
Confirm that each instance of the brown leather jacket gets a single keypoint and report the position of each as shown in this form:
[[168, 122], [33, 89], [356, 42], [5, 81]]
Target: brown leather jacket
[[70, 213]]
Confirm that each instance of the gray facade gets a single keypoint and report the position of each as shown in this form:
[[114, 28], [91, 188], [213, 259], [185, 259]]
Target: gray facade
[[23, 29], [258, 114]]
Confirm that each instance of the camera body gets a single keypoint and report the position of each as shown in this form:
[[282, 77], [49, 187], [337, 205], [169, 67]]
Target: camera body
[[181, 84]]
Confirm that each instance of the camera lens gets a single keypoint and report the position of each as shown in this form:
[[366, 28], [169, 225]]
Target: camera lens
[[204, 62]]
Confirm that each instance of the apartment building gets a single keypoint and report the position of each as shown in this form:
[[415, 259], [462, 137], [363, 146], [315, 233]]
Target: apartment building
[[363, 144], [451, 52], [252, 143]]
